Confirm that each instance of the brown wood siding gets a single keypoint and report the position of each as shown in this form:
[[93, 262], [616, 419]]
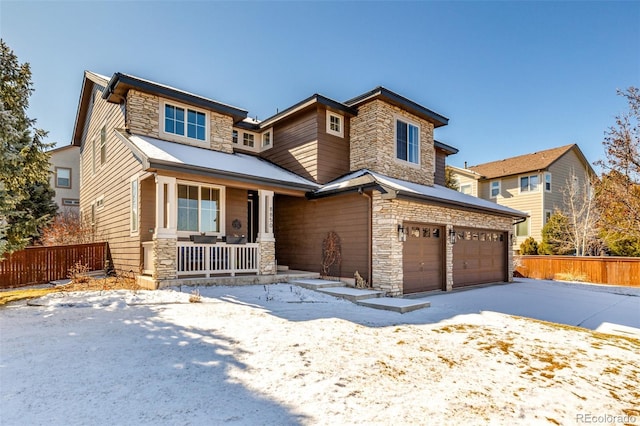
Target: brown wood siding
[[147, 209], [111, 181], [302, 225], [440, 166], [333, 151], [295, 145], [236, 209]]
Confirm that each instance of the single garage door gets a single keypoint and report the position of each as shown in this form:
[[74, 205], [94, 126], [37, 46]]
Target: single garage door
[[479, 256], [423, 259]]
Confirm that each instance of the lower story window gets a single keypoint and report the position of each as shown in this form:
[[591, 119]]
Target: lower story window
[[199, 208], [522, 229]]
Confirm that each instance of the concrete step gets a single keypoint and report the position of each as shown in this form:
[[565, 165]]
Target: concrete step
[[352, 294], [395, 304], [315, 283]]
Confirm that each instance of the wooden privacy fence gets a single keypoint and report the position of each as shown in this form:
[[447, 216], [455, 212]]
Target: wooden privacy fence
[[601, 270], [38, 265]]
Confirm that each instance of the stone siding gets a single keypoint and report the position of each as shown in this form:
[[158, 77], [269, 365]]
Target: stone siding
[[144, 117], [267, 253], [387, 270], [143, 113], [373, 143], [165, 262]]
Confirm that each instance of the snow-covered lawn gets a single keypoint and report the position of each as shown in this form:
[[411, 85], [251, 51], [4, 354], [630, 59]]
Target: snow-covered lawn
[[284, 355]]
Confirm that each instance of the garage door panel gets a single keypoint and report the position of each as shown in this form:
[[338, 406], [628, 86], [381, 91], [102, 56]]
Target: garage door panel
[[479, 256], [422, 258]]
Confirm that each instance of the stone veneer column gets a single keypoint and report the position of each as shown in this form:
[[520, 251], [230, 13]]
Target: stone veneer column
[[267, 253], [165, 262], [387, 270]]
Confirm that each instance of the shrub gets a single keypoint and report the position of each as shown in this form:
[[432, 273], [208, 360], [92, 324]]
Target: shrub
[[529, 247]]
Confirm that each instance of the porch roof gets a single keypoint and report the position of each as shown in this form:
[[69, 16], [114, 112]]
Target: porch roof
[[392, 188], [164, 155]]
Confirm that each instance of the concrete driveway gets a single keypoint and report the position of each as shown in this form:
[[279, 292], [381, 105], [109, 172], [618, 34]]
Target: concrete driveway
[[597, 307]]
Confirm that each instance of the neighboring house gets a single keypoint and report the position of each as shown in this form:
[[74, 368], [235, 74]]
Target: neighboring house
[[64, 164], [175, 181], [532, 183]]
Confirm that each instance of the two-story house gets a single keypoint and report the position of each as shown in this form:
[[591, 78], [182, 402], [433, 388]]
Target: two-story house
[[64, 165], [532, 183], [184, 187]]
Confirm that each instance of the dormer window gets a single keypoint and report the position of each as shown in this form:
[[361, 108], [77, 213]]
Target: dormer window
[[335, 124], [266, 139], [248, 140], [185, 122]]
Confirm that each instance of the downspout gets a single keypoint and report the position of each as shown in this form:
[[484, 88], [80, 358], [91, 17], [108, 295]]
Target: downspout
[[370, 239]]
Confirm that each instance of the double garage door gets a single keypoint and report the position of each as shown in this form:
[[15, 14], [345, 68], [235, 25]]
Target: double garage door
[[479, 256]]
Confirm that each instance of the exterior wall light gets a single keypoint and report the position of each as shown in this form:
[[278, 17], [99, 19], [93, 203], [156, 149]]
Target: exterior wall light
[[402, 236], [452, 236]]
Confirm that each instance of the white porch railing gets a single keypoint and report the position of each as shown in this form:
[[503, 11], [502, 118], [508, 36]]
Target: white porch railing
[[219, 258]]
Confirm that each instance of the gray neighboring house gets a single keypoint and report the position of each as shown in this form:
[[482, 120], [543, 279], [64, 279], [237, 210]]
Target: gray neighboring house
[[64, 164]]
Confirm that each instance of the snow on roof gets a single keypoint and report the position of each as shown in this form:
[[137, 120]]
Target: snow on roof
[[160, 152], [435, 192]]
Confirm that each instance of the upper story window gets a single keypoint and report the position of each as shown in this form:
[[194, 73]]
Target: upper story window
[[234, 136], [63, 177], [103, 145], [185, 122], [547, 182], [466, 188], [248, 140], [335, 124], [495, 188], [529, 183], [407, 142], [266, 139]]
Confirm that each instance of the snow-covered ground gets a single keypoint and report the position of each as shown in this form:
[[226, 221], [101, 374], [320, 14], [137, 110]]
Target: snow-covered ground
[[280, 354]]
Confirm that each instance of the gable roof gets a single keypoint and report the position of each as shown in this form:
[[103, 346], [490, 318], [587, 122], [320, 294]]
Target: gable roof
[[315, 99], [120, 83], [392, 188], [400, 101], [90, 79], [158, 154], [536, 161]]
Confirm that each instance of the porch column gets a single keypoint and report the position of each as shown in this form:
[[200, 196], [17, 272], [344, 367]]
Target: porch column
[[165, 236], [266, 239]]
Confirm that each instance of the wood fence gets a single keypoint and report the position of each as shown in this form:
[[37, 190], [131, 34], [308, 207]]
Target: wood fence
[[601, 270], [38, 265]]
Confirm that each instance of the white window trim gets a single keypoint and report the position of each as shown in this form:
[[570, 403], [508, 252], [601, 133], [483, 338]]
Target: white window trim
[[101, 145], [270, 133], [184, 138], [395, 141], [528, 191], [549, 213], [491, 188], [333, 132], [237, 137], [466, 185], [544, 177], [100, 203], [222, 207], [134, 230]]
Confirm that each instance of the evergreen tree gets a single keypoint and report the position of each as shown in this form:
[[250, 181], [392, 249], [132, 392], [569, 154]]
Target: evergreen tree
[[25, 193], [556, 235]]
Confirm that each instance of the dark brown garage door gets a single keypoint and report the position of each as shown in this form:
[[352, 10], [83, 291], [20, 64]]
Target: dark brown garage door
[[479, 256], [423, 257]]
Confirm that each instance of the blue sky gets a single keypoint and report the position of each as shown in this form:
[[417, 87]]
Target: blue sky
[[513, 77]]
